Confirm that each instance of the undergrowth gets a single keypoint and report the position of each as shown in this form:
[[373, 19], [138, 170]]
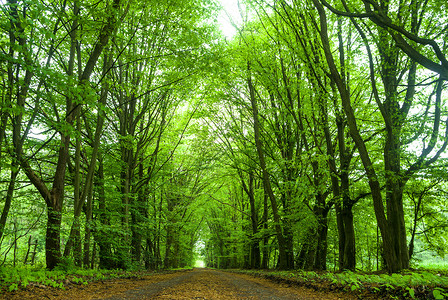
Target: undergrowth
[[12, 279], [406, 285]]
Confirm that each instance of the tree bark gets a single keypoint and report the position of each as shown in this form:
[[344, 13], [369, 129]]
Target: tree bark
[[103, 238], [8, 199], [265, 261]]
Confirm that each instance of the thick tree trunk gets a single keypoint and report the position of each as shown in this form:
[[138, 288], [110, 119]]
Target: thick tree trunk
[[286, 222], [394, 184], [125, 190], [255, 254], [289, 244], [320, 262], [349, 250], [53, 238], [175, 258]]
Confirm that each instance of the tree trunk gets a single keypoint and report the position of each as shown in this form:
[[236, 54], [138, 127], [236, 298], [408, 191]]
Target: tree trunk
[[136, 239], [344, 204], [265, 261], [149, 255], [320, 262], [88, 228], [396, 258], [102, 237], [167, 261], [310, 251], [349, 245], [75, 231], [137, 214], [282, 257], [54, 199], [253, 260], [169, 244], [394, 118], [349, 251], [52, 238], [8, 199]]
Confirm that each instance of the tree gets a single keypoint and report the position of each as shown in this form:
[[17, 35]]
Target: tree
[[395, 111], [30, 57]]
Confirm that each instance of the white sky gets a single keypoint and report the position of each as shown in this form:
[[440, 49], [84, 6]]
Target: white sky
[[231, 7]]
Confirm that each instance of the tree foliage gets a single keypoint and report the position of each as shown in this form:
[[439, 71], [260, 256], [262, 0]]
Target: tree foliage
[[134, 135]]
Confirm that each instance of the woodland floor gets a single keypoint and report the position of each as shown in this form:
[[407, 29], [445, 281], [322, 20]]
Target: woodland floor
[[192, 284]]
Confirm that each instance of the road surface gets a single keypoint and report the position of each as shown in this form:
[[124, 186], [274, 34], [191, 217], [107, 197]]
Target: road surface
[[213, 284]]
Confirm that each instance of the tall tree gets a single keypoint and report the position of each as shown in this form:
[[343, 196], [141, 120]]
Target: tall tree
[[395, 113], [54, 195]]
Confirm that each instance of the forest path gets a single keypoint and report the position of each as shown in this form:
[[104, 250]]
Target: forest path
[[192, 284], [213, 284]]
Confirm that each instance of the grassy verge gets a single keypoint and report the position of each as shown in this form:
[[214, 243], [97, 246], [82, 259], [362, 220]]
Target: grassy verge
[[407, 285], [12, 279]]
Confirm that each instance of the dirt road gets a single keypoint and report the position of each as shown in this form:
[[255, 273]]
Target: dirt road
[[194, 284], [212, 284]]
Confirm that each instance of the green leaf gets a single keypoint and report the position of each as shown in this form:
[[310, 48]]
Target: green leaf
[[438, 295], [13, 287], [411, 292]]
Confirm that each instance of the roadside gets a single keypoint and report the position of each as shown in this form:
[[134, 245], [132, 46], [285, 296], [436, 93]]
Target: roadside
[[380, 285]]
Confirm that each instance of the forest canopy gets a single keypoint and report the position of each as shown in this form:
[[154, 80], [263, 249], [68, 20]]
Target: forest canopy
[[135, 134]]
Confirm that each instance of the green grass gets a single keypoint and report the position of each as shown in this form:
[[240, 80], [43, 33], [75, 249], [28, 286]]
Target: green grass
[[435, 266]]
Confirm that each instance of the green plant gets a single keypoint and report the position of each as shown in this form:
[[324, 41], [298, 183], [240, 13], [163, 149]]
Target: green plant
[[65, 264], [78, 280], [411, 292], [13, 287], [439, 293]]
